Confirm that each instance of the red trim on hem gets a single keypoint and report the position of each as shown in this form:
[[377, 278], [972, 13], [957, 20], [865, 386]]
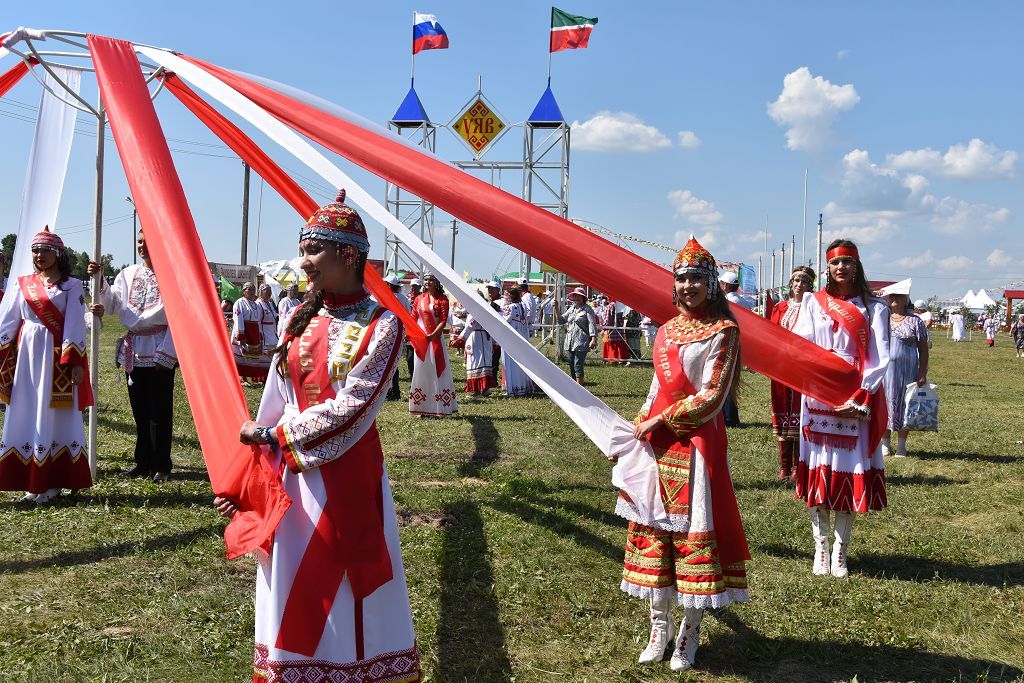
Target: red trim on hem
[[843, 491]]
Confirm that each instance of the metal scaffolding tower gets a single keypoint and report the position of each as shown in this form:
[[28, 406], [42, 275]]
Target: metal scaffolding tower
[[410, 121]]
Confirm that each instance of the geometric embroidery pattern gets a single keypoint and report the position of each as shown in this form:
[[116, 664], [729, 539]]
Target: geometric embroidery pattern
[[391, 667]]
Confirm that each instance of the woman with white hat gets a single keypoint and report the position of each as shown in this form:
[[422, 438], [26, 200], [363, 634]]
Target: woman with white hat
[[580, 331], [908, 363]]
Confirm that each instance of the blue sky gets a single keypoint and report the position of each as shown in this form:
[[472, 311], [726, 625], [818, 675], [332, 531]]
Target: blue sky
[[688, 117]]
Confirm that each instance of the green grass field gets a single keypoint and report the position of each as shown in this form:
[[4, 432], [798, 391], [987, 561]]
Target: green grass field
[[513, 553]]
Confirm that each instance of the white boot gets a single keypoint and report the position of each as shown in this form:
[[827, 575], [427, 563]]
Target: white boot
[[688, 640], [662, 631], [820, 529], [46, 497], [844, 527]]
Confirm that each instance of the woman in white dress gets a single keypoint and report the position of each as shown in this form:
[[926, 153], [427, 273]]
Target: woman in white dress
[[43, 378], [479, 348], [268, 322], [247, 336], [513, 378], [841, 467], [432, 392], [331, 598], [956, 320]]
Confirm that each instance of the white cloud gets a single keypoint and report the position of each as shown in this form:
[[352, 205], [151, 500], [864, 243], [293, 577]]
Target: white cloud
[[867, 186], [999, 259], [694, 209], [954, 263], [842, 54], [912, 262], [687, 139], [957, 217], [609, 131], [861, 229], [977, 160], [807, 107]]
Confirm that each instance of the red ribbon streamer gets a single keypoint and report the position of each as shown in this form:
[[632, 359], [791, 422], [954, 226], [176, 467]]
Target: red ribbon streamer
[[557, 242], [304, 205], [236, 471], [10, 78]]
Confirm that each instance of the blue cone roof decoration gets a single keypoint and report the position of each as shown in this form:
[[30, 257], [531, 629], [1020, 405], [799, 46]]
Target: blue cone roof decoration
[[547, 110], [411, 110]]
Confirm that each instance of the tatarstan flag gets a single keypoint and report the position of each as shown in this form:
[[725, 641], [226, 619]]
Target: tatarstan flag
[[569, 31]]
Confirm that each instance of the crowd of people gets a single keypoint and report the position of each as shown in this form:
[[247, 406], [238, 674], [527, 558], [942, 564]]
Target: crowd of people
[[336, 600]]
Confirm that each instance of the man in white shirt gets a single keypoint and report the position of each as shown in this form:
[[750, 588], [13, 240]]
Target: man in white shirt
[[293, 300]]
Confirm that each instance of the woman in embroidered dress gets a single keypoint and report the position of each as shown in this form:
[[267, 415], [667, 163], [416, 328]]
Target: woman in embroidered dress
[[785, 401], [514, 379], [432, 391], [697, 558], [246, 337], [908, 363], [331, 598], [841, 467], [44, 378], [478, 346]]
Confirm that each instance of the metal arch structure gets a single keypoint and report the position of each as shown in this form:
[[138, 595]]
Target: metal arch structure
[[48, 60], [410, 121]]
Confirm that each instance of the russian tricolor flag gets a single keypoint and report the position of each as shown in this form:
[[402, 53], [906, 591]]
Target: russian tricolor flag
[[427, 34]]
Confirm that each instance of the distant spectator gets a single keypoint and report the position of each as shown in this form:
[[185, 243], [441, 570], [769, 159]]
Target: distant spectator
[[580, 331]]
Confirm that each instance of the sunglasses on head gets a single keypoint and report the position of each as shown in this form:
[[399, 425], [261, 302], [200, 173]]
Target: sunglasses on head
[[39, 248]]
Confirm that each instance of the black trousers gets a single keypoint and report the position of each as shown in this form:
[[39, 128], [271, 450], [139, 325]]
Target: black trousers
[[409, 353], [151, 393], [730, 412]]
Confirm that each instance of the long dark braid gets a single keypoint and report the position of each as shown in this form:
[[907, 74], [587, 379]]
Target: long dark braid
[[297, 324]]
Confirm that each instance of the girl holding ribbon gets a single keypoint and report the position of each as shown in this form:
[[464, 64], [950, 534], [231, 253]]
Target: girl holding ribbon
[[697, 558], [841, 467], [331, 598]]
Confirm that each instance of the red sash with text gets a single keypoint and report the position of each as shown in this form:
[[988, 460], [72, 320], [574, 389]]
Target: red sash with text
[[846, 315], [711, 442], [425, 312], [349, 535], [61, 388]]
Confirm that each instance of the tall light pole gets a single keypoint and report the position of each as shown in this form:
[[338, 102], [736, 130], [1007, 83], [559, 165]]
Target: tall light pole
[[135, 230]]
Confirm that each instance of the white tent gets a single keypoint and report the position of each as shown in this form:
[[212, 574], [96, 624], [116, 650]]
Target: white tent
[[982, 299], [968, 298]]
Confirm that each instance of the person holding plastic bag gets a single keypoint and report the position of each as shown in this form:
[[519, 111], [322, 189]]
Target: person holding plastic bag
[[908, 364]]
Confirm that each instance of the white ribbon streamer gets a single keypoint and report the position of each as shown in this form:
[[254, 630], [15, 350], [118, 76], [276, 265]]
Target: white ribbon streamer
[[636, 471], [44, 179]]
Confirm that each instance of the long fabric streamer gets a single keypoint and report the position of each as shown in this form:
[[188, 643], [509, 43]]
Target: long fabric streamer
[[10, 78], [557, 242], [47, 168], [635, 472], [236, 471], [290, 191]]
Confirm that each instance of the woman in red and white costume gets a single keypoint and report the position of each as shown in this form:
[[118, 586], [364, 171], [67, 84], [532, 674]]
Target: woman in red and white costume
[[432, 390], [44, 379], [697, 558], [785, 401], [841, 468], [331, 597]]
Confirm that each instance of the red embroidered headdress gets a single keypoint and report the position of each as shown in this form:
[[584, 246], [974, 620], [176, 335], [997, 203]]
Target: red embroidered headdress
[[337, 222], [693, 258], [47, 240]]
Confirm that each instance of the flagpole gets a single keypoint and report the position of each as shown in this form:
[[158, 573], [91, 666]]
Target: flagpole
[[549, 65], [412, 68]]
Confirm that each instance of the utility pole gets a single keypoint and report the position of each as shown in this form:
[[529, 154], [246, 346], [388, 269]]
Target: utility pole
[[773, 271], [782, 269], [135, 230], [245, 214], [821, 276], [792, 254], [455, 231]]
